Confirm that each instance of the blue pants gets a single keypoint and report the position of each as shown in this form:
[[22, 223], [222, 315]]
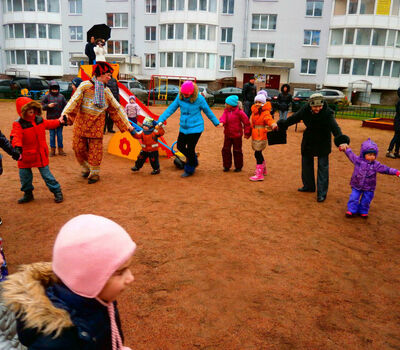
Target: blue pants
[[26, 177], [56, 132], [283, 115], [359, 201]]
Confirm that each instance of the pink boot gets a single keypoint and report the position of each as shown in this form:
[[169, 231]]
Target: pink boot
[[259, 173], [264, 168]]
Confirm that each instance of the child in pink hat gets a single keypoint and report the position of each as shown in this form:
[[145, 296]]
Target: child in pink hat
[[70, 303]]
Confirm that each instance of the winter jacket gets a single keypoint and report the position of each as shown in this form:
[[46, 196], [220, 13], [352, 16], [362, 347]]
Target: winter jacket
[[249, 92], [191, 121], [113, 86], [259, 121], [364, 174], [284, 98], [148, 139], [6, 145], [132, 110], [100, 53], [317, 136], [55, 112], [30, 135], [397, 117], [52, 317], [235, 120]]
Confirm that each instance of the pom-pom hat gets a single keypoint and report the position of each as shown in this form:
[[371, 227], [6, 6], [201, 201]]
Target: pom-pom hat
[[87, 251], [316, 100], [232, 100], [187, 87], [260, 98]]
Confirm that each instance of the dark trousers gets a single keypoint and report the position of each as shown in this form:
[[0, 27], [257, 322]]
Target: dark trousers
[[395, 143], [247, 107], [259, 157], [109, 123], [153, 156], [307, 174], [236, 143], [186, 144]]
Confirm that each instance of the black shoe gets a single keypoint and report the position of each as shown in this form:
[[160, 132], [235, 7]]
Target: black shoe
[[1, 221], [305, 189], [226, 170], [85, 174], [58, 197], [111, 131], [28, 197], [93, 179], [321, 198], [238, 170], [155, 172], [135, 168], [185, 174]]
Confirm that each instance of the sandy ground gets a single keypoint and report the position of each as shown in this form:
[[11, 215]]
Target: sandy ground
[[224, 263]]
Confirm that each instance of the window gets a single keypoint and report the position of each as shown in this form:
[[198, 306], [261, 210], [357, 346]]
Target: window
[[200, 60], [262, 50], [41, 6], [225, 63], [54, 32], [171, 31], [367, 7], [29, 5], [172, 5], [30, 30], [391, 38], [211, 33], [228, 6], [359, 66], [386, 68], [191, 31], [378, 37], [333, 65], [17, 6], [19, 30], [43, 57], [75, 63], [42, 31], [117, 47], [31, 57], [226, 35], [171, 59], [311, 37], [150, 60], [353, 4], [375, 68], [76, 33], [395, 7], [11, 31], [151, 6], [150, 33], [178, 59], [349, 38], [75, 7], [346, 64], [55, 58], [396, 69], [20, 56], [117, 20], [308, 66], [192, 6], [263, 22], [363, 36], [337, 36], [53, 6], [314, 8], [212, 5], [202, 31], [190, 60]]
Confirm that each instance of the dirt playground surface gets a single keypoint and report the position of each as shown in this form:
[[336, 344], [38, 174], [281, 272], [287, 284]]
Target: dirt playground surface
[[225, 263]]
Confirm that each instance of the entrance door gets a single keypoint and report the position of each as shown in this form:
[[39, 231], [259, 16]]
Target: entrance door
[[246, 77], [272, 81]]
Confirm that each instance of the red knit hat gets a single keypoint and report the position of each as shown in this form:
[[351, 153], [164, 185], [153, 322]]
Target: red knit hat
[[102, 68]]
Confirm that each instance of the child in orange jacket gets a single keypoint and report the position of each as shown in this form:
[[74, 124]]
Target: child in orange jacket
[[260, 119], [148, 140]]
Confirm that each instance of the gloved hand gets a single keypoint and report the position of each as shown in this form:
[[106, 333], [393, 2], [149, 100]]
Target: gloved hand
[[398, 174], [17, 153], [63, 120], [343, 147]]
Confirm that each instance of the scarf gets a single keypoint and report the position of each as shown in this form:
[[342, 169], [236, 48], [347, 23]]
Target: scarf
[[99, 98]]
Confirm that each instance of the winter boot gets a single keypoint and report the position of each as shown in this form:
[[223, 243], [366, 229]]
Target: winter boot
[[390, 154], [135, 168], [259, 174], [58, 197], [264, 168], [52, 152], [28, 197], [61, 152], [155, 172]]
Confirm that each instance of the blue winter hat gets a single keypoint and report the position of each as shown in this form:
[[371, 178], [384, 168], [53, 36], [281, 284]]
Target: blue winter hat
[[76, 81], [232, 100]]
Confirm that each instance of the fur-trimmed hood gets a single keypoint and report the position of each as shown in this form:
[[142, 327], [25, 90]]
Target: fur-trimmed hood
[[193, 97], [25, 103], [24, 293]]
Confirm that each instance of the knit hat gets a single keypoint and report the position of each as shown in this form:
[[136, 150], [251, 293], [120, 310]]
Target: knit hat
[[102, 68], [187, 87], [232, 100], [76, 81], [132, 98], [265, 93], [260, 98], [148, 122], [316, 100], [87, 251]]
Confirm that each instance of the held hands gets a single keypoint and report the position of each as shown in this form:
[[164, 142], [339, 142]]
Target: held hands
[[131, 128], [343, 147], [51, 105], [63, 120], [274, 127], [220, 125]]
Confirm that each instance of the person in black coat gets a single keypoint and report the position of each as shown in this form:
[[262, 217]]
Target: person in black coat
[[395, 143], [320, 122], [89, 50], [113, 86], [249, 92], [284, 101]]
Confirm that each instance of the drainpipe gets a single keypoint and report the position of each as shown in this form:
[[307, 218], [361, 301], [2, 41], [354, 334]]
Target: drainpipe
[[133, 21], [245, 29], [233, 57]]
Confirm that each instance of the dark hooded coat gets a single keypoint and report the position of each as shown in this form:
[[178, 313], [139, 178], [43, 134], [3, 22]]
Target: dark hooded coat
[[284, 98]]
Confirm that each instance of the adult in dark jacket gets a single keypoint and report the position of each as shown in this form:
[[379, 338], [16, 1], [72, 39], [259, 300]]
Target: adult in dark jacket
[[249, 92], [284, 101], [53, 103], [89, 50], [320, 123], [395, 143], [113, 86]]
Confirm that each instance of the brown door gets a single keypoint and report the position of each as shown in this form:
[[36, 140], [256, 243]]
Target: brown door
[[246, 77], [272, 81]]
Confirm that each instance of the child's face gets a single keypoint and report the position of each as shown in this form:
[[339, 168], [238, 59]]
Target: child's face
[[370, 157], [117, 283], [145, 127], [229, 107], [258, 104], [30, 113]]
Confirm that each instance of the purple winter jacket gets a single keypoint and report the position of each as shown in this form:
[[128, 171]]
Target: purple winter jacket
[[364, 174]]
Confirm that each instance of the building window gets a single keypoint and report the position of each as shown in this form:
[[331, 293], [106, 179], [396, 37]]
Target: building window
[[333, 65], [367, 7], [16, 7], [75, 63], [202, 31], [311, 37], [353, 5], [150, 60], [117, 47], [264, 22], [226, 35], [386, 68], [75, 33], [172, 5], [192, 31], [42, 31], [314, 8], [391, 38], [262, 50], [151, 6], [378, 37], [54, 32], [31, 57], [308, 66], [53, 6], [363, 36], [43, 57], [171, 59], [117, 20], [346, 64], [395, 7], [225, 63], [375, 68], [41, 5], [30, 32], [228, 6], [202, 5], [19, 30], [359, 66], [349, 37], [20, 56], [29, 5], [55, 58], [75, 7], [396, 69], [150, 33], [171, 31], [337, 36]]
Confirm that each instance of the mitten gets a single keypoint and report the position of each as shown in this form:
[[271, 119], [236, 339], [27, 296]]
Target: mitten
[[15, 154], [398, 174]]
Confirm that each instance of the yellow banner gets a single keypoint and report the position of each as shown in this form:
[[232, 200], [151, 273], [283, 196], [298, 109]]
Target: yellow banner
[[383, 7]]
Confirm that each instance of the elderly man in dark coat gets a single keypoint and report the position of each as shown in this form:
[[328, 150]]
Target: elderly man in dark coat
[[320, 122]]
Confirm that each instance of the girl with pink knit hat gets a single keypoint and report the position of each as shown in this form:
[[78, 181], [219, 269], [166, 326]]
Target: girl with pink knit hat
[[191, 103], [70, 303]]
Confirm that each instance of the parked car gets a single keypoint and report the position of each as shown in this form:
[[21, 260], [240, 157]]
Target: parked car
[[160, 92], [335, 97], [206, 93], [137, 89], [65, 88], [221, 94], [6, 91], [300, 98], [12, 88], [273, 94]]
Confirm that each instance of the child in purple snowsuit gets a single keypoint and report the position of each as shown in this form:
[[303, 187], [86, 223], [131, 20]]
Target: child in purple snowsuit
[[363, 180]]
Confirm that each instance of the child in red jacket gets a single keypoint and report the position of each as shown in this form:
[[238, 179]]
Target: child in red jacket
[[28, 136], [148, 140], [234, 120]]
